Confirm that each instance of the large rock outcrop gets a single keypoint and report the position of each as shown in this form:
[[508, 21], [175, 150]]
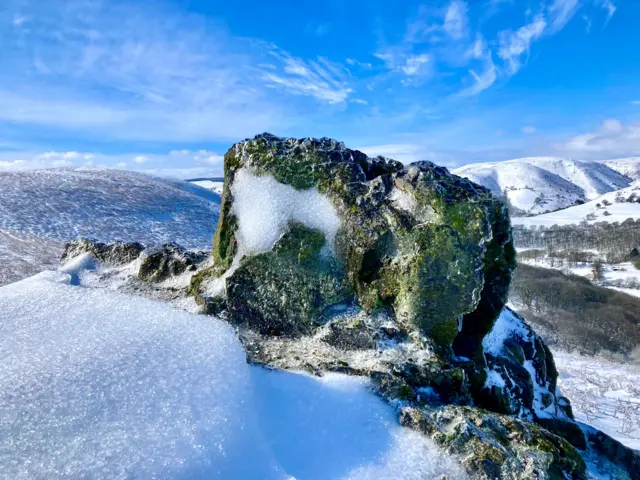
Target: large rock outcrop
[[433, 246], [328, 260]]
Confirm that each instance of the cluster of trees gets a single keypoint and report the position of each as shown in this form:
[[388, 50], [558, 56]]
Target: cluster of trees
[[572, 313], [616, 240]]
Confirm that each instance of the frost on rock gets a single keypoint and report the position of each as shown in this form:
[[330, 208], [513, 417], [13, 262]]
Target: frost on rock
[[96, 384], [513, 351]]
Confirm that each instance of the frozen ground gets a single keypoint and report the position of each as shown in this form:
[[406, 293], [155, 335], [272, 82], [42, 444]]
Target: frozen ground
[[98, 384], [604, 394], [40, 210]]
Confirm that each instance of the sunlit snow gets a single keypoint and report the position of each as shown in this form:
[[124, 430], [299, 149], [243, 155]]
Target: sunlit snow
[[97, 384]]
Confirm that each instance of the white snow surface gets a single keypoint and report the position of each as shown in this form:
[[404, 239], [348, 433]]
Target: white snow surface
[[209, 185], [619, 208], [603, 394], [265, 206], [536, 185], [42, 209], [98, 384], [629, 166]]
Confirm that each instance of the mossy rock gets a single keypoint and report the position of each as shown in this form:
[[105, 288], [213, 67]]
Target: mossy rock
[[417, 239], [495, 446]]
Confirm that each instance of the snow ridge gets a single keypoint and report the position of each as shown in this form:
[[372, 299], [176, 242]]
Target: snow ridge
[[536, 185]]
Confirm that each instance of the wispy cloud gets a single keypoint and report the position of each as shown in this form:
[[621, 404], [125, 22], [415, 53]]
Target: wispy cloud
[[322, 79], [153, 74], [560, 12], [609, 7], [515, 45], [178, 163], [528, 129], [455, 19]]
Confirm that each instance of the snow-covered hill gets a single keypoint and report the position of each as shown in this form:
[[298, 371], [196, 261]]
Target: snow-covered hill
[[40, 210], [627, 166], [537, 185], [215, 183], [612, 207]]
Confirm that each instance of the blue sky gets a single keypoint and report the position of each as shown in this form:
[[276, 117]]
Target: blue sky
[[167, 86]]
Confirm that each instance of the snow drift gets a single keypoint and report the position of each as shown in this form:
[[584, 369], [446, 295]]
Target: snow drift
[[97, 384]]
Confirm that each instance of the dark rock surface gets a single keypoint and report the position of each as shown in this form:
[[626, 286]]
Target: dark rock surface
[[115, 253]]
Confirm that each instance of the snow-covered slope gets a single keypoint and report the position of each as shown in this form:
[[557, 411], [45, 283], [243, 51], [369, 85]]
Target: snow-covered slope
[[543, 184], [215, 183], [98, 384], [603, 394], [39, 210], [627, 166], [612, 207]]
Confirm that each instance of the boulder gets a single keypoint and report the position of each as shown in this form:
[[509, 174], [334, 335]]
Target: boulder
[[114, 254], [327, 260], [166, 261], [418, 239]]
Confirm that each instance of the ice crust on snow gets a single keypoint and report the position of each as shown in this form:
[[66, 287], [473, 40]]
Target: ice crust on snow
[[98, 384], [265, 206]]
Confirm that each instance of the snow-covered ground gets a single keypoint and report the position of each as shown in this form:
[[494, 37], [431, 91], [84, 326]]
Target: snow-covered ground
[[40, 210], [98, 384], [629, 166], [539, 184], [604, 394], [214, 185], [612, 207]]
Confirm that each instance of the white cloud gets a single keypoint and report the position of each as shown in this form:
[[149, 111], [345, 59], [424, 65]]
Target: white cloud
[[161, 75], [416, 64], [514, 44], [611, 139], [560, 12], [478, 49], [455, 19], [528, 129], [635, 102], [18, 20], [609, 7], [322, 79], [483, 80], [179, 163]]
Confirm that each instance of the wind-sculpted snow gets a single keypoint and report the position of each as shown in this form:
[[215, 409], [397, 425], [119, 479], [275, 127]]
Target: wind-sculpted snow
[[97, 384], [60, 205]]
